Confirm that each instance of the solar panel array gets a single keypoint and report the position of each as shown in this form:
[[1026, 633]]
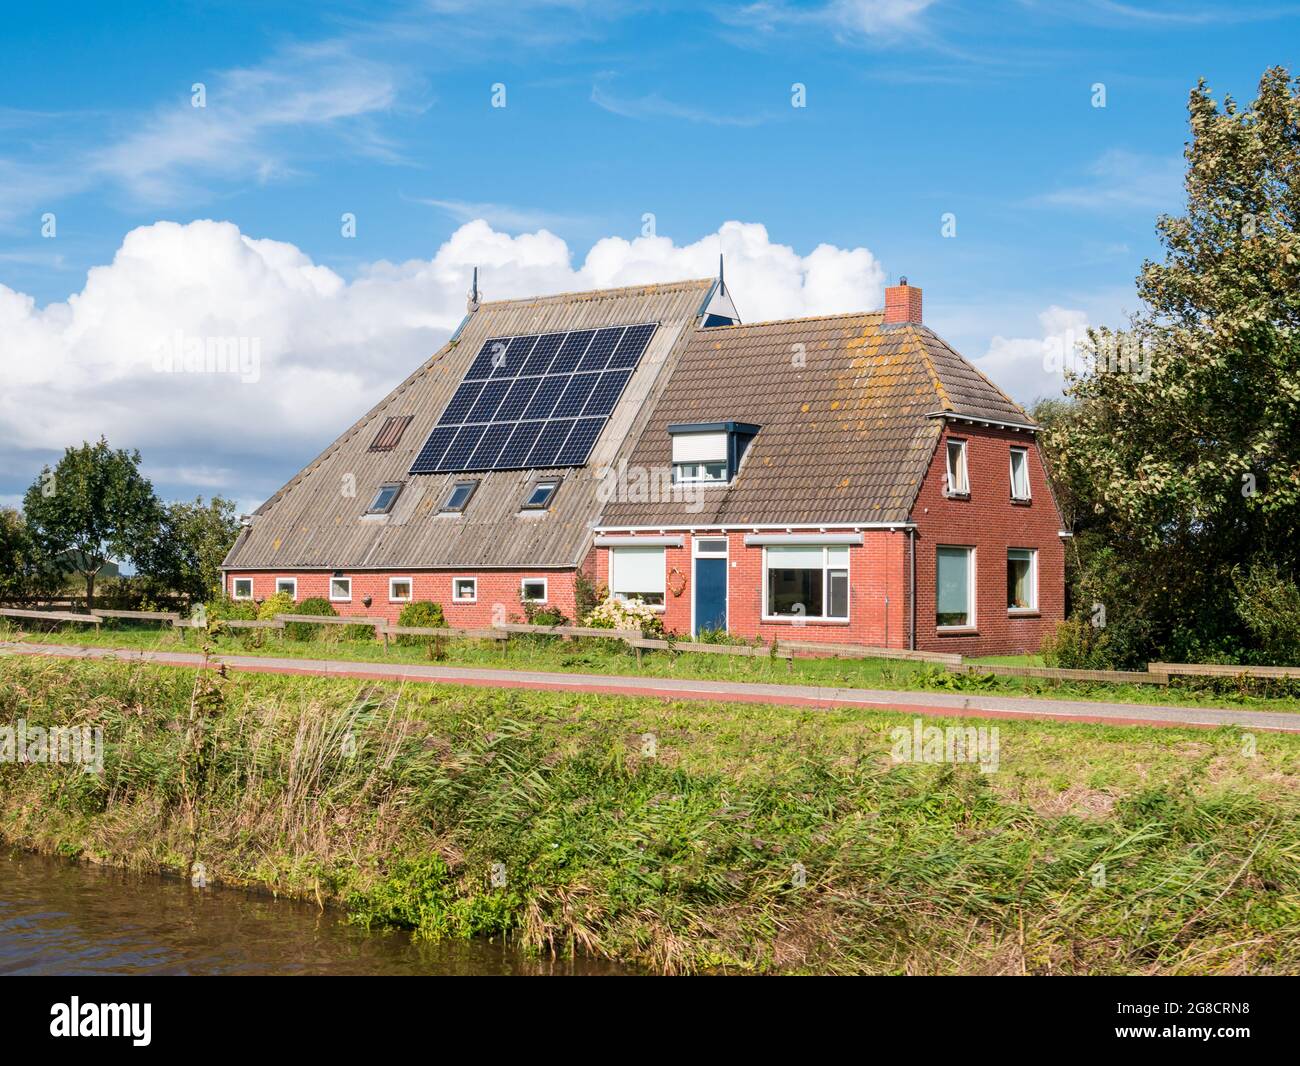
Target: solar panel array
[[536, 401]]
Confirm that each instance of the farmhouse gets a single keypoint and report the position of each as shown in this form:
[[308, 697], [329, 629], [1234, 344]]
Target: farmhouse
[[844, 479]]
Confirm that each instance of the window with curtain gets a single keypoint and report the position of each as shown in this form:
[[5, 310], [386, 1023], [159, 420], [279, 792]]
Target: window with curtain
[[955, 587], [958, 481], [637, 573], [808, 581], [1022, 594], [1019, 474]]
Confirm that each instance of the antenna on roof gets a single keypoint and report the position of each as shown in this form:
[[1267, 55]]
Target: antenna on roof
[[472, 303], [722, 284]]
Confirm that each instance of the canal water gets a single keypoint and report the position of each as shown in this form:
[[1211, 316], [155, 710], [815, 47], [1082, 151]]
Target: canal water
[[62, 917]]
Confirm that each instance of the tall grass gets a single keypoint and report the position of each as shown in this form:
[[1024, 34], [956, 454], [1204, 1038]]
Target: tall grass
[[540, 817]]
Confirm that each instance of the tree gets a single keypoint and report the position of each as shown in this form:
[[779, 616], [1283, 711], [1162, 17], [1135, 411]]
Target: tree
[[25, 575], [192, 541], [1181, 445], [94, 506]]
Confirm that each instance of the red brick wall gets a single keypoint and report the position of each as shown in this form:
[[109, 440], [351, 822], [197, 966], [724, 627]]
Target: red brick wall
[[876, 569], [498, 591], [991, 523]]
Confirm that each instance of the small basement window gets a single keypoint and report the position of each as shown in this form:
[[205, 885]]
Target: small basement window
[[541, 494], [400, 590], [241, 588], [533, 590], [341, 589], [958, 478], [287, 585], [459, 496], [1020, 473], [464, 589], [385, 498]]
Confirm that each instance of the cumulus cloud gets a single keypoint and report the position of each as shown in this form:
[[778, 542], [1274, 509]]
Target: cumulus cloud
[[310, 350], [1031, 368]]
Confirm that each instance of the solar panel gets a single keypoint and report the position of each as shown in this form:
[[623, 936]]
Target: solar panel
[[536, 400]]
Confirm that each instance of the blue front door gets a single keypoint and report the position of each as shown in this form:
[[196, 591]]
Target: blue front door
[[710, 594]]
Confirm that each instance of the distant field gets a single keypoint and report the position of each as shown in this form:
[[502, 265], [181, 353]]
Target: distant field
[[611, 657], [680, 836]]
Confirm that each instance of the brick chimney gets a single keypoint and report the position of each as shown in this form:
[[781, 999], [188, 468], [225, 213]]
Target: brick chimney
[[902, 303]]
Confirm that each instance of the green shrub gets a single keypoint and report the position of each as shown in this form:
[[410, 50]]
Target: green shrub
[[309, 630], [280, 603], [223, 607], [423, 614], [539, 615], [1268, 603], [1076, 644]]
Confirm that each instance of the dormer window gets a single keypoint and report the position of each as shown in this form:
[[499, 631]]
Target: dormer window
[[707, 453]]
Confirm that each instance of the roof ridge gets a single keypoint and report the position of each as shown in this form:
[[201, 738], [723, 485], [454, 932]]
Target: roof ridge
[[940, 389], [646, 289], [786, 321], [983, 376]]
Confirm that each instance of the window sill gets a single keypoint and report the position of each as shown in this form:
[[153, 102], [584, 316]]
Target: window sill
[[960, 496], [1023, 612], [1018, 501], [785, 620], [956, 631]]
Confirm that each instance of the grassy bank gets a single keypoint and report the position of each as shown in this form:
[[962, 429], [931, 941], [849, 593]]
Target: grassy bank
[[611, 657], [1090, 850]]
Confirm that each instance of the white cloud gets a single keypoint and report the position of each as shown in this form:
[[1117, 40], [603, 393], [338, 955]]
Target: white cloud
[[327, 348], [867, 20], [1030, 368], [1126, 181]]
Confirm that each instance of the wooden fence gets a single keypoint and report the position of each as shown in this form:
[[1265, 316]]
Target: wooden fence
[[1156, 673]]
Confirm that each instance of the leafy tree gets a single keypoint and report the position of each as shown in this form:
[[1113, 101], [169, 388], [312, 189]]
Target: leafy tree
[[1180, 449], [25, 574], [191, 542], [94, 506]]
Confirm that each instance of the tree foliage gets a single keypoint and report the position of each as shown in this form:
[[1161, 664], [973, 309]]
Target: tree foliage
[[1180, 450]]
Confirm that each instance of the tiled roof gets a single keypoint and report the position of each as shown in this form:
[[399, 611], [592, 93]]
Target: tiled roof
[[845, 404]]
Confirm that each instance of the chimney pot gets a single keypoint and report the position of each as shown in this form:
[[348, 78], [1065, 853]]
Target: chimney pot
[[902, 303]]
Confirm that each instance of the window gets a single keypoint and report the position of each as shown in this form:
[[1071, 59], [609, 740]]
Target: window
[[533, 590], [458, 497], [710, 546], [390, 433], [687, 473], [955, 587], [341, 588], [464, 589], [400, 590], [1020, 473], [1022, 579], [637, 573], [958, 482], [539, 497], [287, 584], [807, 581], [384, 498], [242, 588]]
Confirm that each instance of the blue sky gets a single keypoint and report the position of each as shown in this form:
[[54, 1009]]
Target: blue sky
[[613, 111]]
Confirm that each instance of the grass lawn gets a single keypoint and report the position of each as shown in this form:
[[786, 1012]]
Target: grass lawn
[[679, 836], [611, 657]]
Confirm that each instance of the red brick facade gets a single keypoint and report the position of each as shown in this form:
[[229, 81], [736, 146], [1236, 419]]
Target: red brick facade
[[988, 520], [497, 600]]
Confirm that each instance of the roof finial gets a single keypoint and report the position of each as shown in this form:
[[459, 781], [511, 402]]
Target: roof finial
[[472, 303], [722, 284]]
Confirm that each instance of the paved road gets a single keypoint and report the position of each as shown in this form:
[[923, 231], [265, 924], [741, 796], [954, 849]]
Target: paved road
[[949, 704]]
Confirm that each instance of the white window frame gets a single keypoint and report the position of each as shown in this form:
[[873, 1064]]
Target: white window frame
[[340, 599], [972, 596], [829, 619], [1033, 582], [694, 473], [963, 452], [546, 591], [472, 598], [410, 581], [235, 582], [1024, 458], [287, 581], [625, 596]]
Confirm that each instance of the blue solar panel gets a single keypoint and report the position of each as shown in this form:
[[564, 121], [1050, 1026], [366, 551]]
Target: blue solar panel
[[534, 400]]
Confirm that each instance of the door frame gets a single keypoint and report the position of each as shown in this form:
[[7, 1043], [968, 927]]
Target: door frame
[[725, 556]]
